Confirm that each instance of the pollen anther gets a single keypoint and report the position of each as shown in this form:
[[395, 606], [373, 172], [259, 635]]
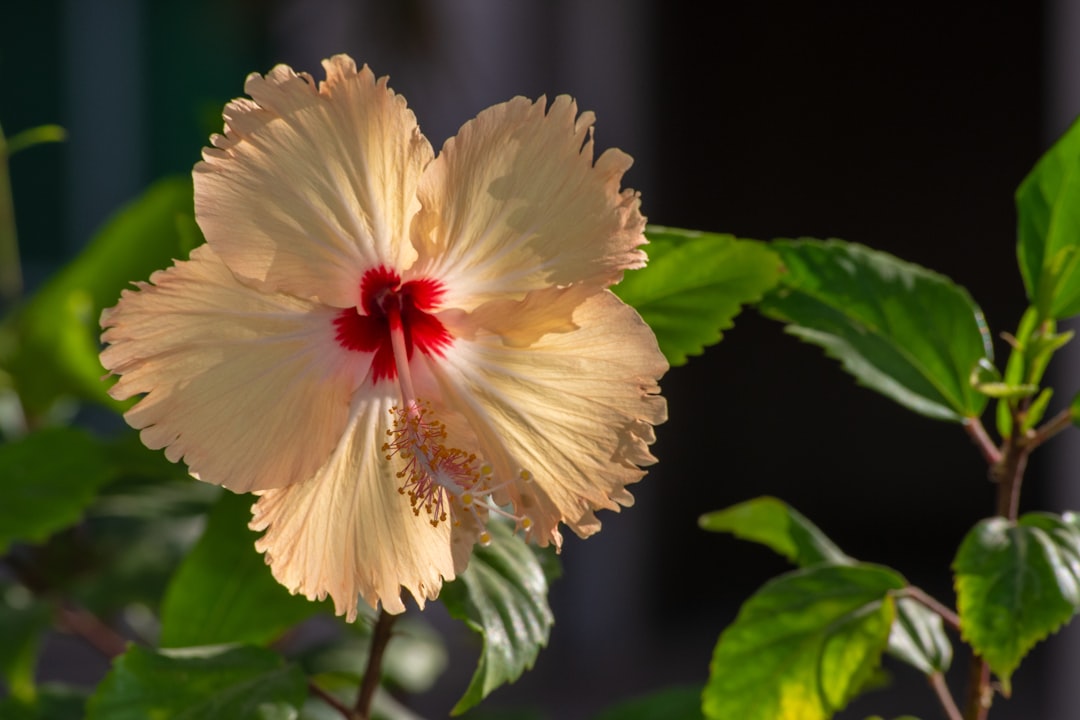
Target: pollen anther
[[434, 475]]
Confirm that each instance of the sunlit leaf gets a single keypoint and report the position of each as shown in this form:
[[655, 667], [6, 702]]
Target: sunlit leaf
[[918, 635], [1016, 584], [55, 347], [223, 591], [898, 328], [47, 479], [694, 286], [503, 596], [208, 683], [777, 525], [803, 645], [1048, 229]]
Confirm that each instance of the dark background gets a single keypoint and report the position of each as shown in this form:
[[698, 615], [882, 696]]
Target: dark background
[[903, 126]]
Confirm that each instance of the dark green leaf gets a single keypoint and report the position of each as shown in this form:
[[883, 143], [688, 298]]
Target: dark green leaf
[[683, 703], [694, 286], [208, 683], [1016, 584], [777, 525], [138, 531], [898, 328], [224, 592], [23, 621], [804, 645], [56, 333], [918, 638], [51, 701], [503, 596], [1048, 229], [47, 479]]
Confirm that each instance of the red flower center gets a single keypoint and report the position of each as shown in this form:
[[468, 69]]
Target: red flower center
[[385, 301]]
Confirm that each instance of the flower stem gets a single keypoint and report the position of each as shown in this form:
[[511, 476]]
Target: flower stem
[[1008, 472], [920, 596], [1050, 428], [329, 699], [91, 628], [937, 682], [373, 674], [990, 452]]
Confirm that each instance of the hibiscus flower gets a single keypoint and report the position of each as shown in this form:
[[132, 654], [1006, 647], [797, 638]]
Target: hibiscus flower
[[391, 348]]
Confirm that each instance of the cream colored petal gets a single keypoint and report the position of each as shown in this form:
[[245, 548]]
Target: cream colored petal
[[520, 323], [514, 203], [575, 410], [251, 390], [349, 533], [310, 186]]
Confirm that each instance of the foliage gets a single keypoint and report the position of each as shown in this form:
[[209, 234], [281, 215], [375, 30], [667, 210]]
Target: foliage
[[95, 529]]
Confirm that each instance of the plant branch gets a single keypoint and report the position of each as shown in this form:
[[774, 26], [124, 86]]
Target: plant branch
[[920, 596], [91, 628], [373, 673], [70, 616], [937, 682], [975, 430], [345, 710], [1009, 475], [1050, 428], [980, 694]]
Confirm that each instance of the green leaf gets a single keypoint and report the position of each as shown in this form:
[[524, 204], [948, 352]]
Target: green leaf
[[898, 328], [23, 622], [55, 348], [683, 703], [48, 478], [777, 525], [208, 683], [694, 286], [1036, 410], [918, 638], [986, 378], [35, 136], [52, 701], [1016, 584], [1074, 410], [1048, 229], [503, 596], [1016, 370], [223, 591], [918, 635], [804, 645]]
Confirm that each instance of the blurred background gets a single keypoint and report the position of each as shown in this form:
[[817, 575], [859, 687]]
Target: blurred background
[[903, 126]]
